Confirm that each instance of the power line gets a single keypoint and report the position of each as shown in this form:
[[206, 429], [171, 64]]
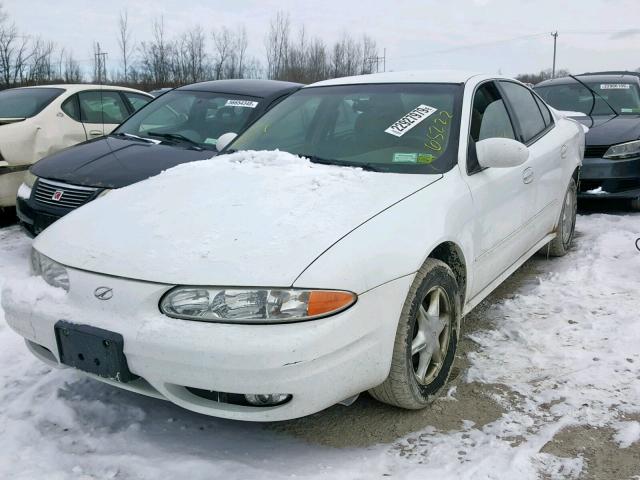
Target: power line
[[475, 45]]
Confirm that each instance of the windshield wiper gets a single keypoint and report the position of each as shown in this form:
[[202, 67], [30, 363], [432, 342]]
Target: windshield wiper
[[135, 137], [176, 136], [593, 94], [325, 161]]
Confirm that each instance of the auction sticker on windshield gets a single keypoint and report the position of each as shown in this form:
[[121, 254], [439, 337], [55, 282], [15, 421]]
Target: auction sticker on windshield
[[615, 86], [241, 103], [410, 120]]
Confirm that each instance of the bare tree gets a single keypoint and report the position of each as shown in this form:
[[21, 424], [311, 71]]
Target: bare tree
[[125, 42], [277, 45], [72, 72], [156, 54], [223, 45], [41, 65], [194, 46], [534, 78]]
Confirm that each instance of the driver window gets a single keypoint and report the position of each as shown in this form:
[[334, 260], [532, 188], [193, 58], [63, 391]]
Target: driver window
[[490, 118]]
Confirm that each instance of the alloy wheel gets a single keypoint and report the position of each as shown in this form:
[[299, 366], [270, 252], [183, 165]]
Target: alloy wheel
[[431, 334]]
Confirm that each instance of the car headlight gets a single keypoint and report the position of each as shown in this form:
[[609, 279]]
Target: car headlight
[[623, 150], [29, 179], [51, 271], [103, 192], [243, 305]]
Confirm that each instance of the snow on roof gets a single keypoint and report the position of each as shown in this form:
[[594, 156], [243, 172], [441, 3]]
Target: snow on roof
[[414, 76]]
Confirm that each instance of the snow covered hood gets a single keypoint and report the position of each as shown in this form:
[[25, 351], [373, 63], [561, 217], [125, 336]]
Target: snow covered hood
[[250, 218]]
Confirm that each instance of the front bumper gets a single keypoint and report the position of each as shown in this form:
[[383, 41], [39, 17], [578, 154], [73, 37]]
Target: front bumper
[[604, 178], [34, 219], [10, 180], [319, 363]]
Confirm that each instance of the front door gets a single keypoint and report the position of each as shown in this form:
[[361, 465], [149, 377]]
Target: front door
[[101, 111], [501, 196]]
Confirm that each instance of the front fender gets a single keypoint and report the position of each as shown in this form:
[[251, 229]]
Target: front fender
[[396, 242]]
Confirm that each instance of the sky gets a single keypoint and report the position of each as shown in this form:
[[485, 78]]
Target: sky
[[492, 36]]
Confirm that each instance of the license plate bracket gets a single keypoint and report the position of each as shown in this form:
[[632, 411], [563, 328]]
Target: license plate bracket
[[93, 350]]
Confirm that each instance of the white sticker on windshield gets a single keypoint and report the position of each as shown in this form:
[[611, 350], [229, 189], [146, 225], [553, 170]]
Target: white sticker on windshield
[[615, 86], [410, 120], [241, 103]]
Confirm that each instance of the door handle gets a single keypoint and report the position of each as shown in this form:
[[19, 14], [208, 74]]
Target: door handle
[[527, 175], [563, 151], [95, 133]]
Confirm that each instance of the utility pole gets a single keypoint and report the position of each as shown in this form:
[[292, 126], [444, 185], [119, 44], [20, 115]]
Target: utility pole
[[555, 40], [101, 64], [377, 60]]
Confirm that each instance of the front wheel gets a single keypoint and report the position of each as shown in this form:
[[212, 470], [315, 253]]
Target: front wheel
[[559, 246], [426, 339]]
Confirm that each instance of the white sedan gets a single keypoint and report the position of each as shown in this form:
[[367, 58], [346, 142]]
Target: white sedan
[[333, 250], [39, 121]]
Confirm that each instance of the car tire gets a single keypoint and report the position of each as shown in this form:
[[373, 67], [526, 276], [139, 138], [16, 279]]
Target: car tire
[[426, 339], [560, 245]]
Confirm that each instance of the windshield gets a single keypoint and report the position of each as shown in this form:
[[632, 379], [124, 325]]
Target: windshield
[[574, 97], [192, 116], [26, 102], [408, 128]]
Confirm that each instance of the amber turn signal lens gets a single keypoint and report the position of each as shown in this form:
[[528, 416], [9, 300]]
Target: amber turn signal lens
[[322, 302]]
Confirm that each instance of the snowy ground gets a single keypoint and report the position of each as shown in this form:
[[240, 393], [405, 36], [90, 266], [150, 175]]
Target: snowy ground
[[548, 386]]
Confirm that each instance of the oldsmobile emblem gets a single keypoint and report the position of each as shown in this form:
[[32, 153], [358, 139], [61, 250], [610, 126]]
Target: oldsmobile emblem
[[103, 293]]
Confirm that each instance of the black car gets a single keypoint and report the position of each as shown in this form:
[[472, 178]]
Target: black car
[[180, 126], [609, 104]]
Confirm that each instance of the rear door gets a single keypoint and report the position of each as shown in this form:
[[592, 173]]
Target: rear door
[[101, 111], [536, 129], [70, 127]]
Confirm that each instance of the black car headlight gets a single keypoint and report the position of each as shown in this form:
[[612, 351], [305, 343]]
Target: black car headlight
[[623, 150]]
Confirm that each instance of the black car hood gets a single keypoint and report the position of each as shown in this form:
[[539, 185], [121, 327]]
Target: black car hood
[[608, 130], [114, 162]]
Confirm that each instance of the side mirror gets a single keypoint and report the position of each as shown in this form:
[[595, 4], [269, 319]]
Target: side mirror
[[501, 153], [225, 140]]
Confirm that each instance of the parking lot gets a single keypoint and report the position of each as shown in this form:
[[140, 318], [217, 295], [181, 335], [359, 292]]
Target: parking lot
[[545, 387]]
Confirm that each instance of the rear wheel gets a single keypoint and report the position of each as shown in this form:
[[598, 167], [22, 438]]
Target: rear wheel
[[559, 246], [426, 339]]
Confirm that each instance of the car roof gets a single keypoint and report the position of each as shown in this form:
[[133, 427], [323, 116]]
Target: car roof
[[73, 88], [413, 76], [613, 77], [249, 87]]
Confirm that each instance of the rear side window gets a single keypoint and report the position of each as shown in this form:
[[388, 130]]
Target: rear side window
[[102, 107], [26, 102], [71, 107], [526, 110], [546, 114]]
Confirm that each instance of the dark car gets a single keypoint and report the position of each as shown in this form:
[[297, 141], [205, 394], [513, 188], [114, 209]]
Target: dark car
[[609, 104], [180, 126]]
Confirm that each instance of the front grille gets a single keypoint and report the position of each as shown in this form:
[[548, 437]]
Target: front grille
[[595, 151], [62, 195]]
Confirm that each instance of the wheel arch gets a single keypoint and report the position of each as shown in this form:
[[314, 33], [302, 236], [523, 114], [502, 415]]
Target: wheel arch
[[451, 254]]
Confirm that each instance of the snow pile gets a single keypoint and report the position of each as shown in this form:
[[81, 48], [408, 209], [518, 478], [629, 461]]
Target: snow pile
[[628, 433], [225, 215]]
